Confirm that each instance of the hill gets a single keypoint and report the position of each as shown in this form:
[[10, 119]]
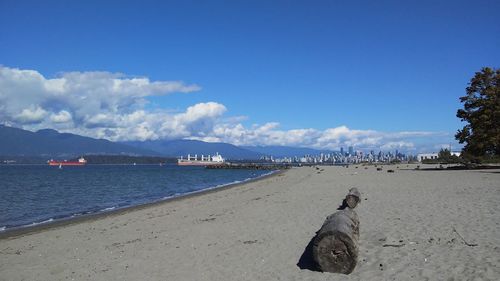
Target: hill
[[51, 143], [176, 148]]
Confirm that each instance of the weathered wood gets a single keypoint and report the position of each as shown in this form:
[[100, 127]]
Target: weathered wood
[[335, 247], [352, 201], [353, 197]]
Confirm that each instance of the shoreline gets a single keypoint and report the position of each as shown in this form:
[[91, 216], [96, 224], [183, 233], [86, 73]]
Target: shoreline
[[411, 223], [15, 232]]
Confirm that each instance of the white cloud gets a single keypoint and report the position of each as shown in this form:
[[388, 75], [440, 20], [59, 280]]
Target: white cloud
[[400, 145], [62, 116], [113, 106], [335, 137], [438, 147], [332, 138], [33, 114], [86, 96]]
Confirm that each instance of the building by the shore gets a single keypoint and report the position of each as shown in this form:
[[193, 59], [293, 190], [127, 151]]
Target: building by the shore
[[424, 156]]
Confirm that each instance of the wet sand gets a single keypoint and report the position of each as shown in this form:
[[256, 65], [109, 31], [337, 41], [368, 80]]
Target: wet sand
[[419, 225]]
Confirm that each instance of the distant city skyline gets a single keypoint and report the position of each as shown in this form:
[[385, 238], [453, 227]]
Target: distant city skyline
[[325, 75]]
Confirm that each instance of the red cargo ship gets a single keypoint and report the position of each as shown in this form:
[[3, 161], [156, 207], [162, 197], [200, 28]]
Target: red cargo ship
[[81, 161]]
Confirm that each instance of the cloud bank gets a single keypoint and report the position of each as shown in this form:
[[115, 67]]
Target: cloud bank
[[114, 106]]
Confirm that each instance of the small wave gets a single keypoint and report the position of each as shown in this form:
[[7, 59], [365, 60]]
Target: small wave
[[222, 185], [42, 222], [76, 215], [3, 228], [107, 209], [241, 181], [226, 184], [269, 173]]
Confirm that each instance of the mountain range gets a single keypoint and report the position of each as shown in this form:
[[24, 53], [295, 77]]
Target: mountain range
[[52, 144], [184, 147]]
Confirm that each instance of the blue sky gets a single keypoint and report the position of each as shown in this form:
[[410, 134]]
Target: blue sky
[[372, 70]]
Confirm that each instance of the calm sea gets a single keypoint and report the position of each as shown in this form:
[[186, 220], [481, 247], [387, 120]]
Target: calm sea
[[34, 194]]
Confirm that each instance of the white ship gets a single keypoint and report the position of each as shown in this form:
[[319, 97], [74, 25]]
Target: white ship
[[204, 161]]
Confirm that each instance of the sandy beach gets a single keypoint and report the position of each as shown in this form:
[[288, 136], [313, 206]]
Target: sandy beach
[[414, 225]]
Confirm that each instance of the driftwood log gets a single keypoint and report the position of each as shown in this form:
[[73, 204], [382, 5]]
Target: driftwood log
[[335, 247]]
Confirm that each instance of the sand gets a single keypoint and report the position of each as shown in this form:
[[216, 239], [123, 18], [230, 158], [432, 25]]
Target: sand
[[259, 231]]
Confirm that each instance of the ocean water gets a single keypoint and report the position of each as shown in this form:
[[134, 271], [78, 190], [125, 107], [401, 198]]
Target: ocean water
[[34, 194]]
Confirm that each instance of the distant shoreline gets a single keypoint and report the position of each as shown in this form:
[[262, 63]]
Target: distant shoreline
[[91, 159]]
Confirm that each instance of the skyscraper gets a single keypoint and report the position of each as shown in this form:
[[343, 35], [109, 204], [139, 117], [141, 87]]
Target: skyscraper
[[351, 150]]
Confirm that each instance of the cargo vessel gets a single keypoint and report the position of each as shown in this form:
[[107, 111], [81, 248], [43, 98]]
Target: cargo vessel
[[81, 161], [204, 161]]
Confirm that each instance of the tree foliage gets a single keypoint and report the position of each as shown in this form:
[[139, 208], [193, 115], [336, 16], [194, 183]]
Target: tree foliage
[[445, 156], [482, 113]]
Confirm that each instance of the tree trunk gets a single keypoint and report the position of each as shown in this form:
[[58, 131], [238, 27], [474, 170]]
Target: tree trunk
[[335, 247]]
